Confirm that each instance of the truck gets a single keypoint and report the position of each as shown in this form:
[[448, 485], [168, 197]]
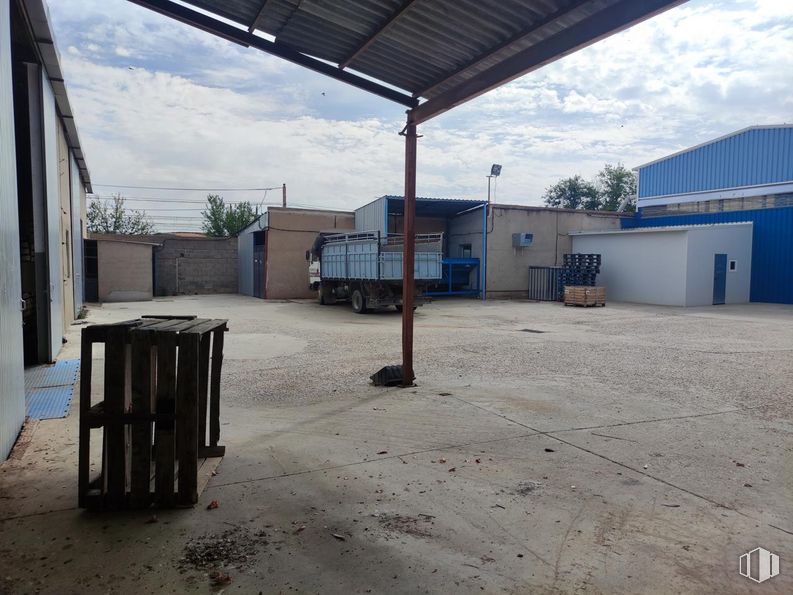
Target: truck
[[366, 268]]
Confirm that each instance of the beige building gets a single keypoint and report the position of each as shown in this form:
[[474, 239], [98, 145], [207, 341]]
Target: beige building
[[482, 243], [507, 265], [272, 250], [124, 269]]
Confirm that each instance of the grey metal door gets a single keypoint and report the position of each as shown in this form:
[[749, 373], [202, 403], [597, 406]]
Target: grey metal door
[[719, 279], [12, 391], [258, 271]]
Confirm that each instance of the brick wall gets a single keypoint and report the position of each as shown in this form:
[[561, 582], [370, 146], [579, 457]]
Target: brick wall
[[195, 266]]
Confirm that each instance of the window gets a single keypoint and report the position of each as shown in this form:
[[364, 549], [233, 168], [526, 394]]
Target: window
[[465, 250], [733, 265], [747, 203]]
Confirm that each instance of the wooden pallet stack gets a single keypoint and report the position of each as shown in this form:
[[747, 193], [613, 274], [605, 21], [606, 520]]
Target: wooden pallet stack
[[160, 417], [584, 295]]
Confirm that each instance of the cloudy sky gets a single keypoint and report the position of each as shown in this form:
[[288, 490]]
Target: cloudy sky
[[159, 103]]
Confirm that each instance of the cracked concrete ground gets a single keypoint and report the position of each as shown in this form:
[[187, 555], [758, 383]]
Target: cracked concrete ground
[[619, 450]]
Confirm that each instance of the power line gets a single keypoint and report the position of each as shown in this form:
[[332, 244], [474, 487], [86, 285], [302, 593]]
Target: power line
[[172, 200], [196, 189]]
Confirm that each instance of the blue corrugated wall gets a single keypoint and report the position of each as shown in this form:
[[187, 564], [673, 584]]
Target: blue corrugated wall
[[772, 246], [754, 157]]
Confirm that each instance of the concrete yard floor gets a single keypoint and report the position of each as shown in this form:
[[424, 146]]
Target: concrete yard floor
[[544, 449]]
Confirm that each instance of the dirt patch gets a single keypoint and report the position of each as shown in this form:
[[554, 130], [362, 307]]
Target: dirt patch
[[525, 488], [417, 526], [235, 548]]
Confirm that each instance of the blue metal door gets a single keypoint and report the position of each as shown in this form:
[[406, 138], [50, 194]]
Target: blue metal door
[[719, 278]]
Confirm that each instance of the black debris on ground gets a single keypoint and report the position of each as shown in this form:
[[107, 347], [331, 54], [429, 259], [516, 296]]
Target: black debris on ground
[[235, 548]]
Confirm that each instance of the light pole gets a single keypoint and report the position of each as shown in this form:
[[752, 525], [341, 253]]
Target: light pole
[[495, 171]]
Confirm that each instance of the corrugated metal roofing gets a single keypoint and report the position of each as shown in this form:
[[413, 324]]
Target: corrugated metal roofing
[[427, 47], [431, 47], [772, 238], [750, 157]]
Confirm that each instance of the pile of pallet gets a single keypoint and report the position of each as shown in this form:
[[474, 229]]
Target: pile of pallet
[[584, 295], [580, 269]]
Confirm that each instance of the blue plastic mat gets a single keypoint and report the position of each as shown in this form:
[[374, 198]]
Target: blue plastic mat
[[49, 403], [61, 373], [49, 389]]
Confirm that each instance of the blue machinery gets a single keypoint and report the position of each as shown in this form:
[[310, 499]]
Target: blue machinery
[[456, 273]]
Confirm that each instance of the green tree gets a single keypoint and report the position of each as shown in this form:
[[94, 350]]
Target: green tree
[[572, 193], [615, 183], [222, 220], [611, 186], [115, 218]]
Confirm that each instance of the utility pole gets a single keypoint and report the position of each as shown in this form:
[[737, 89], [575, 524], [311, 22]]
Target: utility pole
[[283, 193]]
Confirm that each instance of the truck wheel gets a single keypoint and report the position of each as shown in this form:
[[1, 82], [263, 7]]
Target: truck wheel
[[358, 302], [326, 298]]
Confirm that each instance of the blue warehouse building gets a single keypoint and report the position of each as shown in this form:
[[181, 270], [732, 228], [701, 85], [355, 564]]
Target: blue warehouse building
[[746, 176]]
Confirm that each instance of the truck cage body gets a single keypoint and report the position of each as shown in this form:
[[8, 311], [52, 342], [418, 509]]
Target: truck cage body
[[366, 256]]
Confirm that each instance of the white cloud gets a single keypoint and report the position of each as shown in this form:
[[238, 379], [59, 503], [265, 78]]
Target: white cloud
[[197, 110]]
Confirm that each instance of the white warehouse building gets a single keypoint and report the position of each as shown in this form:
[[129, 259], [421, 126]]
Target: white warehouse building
[[694, 265]]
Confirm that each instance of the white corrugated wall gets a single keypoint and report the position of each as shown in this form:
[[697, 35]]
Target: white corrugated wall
[[77, 235], [245, 268], [371, 217], [52, 178], [12, 384]]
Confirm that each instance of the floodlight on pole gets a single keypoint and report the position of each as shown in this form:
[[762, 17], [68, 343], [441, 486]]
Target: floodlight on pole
[[495, 171]]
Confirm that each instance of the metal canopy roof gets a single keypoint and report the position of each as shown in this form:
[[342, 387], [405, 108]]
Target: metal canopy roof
[[433, 207], [445, 51]]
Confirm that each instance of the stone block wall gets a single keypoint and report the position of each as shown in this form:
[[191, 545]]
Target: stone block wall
[[187, 266]]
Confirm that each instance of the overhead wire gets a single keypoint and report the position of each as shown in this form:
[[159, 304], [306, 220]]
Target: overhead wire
[[186, 189]]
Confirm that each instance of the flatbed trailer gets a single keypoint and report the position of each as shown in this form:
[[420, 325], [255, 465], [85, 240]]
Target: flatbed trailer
[[366, 268]]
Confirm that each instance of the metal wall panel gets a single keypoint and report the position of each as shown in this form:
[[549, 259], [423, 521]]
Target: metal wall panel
[[245, 260], [772, 256], [372, 217], [52, 178], [750, 158], [12, 391], [77, 235]]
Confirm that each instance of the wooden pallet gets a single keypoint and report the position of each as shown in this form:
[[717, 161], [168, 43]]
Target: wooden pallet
[[584, 296], [161, 395]]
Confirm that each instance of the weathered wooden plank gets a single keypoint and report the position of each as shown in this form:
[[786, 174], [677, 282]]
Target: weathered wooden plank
[[206, 470], [142, 384], [84, 451], [214, 386], [170, 316], [187, 418], [211, 451], [164, 430], [207, 326], [163, 325], [116, 466], [203, 387]]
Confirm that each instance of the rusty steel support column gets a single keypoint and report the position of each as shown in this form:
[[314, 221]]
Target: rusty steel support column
[[408, 253]]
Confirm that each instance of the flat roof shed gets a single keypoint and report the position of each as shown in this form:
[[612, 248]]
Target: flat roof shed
[[444, 52]]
